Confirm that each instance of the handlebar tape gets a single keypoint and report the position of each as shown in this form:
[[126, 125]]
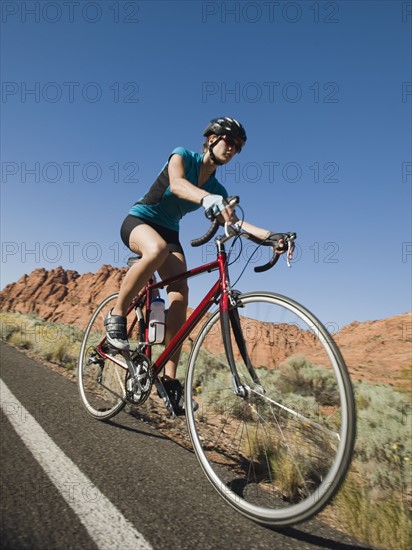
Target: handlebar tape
[[269, 265], [207, 236]]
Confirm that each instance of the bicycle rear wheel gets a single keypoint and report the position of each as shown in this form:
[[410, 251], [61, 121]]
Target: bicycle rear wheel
[[279, 453], [101, 382]]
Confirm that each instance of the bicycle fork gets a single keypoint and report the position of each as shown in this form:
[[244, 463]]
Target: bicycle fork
[[230, 321]]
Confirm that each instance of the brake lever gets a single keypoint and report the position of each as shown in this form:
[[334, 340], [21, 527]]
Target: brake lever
[[289, 253], [291, 248], [234, 227]]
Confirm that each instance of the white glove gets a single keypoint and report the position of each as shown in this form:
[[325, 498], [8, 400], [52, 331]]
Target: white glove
[[213, 205]]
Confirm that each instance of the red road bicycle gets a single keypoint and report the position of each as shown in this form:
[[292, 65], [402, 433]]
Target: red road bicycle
[[274, 422]]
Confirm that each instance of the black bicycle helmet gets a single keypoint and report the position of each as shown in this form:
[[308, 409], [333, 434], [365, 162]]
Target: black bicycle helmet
[[226, 126]]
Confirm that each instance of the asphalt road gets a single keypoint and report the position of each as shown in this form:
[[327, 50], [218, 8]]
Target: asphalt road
[[68, 481]]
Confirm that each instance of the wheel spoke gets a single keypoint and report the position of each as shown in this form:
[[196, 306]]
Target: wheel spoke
[[304, 419]]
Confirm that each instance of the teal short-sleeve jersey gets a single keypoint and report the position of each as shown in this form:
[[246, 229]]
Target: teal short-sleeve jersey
[[161, 206]]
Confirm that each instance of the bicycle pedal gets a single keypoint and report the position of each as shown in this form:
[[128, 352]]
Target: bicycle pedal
[[162, 393]]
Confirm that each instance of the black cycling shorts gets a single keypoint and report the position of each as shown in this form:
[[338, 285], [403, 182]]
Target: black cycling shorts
[[170, 236]]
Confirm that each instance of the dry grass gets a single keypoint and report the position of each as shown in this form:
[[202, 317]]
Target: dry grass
[[381, 520], [59, 344]]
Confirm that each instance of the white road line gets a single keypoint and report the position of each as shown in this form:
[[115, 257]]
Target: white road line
[[105, 524]]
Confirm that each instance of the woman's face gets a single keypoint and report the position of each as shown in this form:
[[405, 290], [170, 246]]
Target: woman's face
[[226, 148]]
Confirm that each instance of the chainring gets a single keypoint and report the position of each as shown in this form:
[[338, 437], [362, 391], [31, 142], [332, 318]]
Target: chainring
[[138, 390]]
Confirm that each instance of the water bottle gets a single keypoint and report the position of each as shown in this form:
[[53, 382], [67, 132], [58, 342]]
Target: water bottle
[[157, 325]]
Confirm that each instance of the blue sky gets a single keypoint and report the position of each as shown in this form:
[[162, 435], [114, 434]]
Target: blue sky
[[95, 95]]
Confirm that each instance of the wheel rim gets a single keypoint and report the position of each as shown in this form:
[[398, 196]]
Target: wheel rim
[[275, 457]]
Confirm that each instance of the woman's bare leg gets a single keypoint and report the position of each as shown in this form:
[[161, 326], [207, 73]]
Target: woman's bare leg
[[155, 256], [178, 293], [153, 250]]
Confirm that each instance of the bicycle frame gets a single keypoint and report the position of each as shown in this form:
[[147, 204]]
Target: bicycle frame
[[218, 292]]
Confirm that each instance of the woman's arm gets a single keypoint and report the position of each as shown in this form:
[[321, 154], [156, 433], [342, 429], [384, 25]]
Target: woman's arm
[[184, 189], [179, 185], [257, 232], [265, 235]]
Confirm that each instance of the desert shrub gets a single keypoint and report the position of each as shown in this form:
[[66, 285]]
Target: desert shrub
[[17, 339], [7, 330], [207, 367], [57, 343], [374, 503], [300, 376], [383, 448]]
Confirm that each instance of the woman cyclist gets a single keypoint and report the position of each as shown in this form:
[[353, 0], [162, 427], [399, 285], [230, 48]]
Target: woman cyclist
[[151, 230]]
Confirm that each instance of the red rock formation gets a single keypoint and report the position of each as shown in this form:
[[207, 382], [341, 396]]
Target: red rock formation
[[61, 296]]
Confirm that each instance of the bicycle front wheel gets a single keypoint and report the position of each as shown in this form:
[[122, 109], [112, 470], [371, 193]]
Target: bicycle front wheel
[[279, 452], [101, 382]]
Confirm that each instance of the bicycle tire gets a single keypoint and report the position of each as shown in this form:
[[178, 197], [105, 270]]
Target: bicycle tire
[[277, 457], [101, 382]]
